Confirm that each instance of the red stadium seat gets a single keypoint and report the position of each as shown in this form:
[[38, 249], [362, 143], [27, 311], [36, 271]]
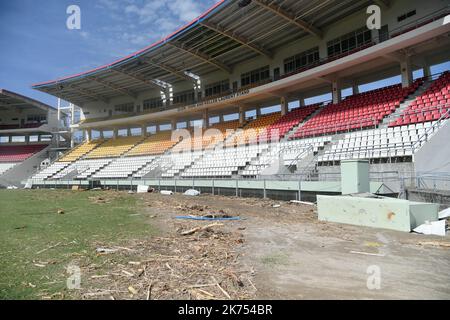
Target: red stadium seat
[[19, 153]]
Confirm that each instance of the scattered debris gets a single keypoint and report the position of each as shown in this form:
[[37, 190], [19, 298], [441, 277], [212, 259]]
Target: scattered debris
[[106, 250], [197, 229], [192, 192], [302, 202], [276, 206], [48, 248], [432, 228], [435, 244], [368, 253], [61, 211], [206, 218], [166, 192]]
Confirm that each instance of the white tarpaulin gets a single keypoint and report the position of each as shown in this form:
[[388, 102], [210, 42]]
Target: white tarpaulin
[[432, 228], [444, 214], [142, 189], [192, 192]]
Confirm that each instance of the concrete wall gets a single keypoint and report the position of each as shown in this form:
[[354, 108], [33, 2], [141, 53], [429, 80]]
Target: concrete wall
[[434, 156]]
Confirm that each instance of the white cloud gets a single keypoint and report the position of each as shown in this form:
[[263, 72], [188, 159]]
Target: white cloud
[[185, 10]]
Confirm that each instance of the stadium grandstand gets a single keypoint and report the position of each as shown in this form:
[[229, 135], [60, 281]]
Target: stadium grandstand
[[32, 134], [265, 90]]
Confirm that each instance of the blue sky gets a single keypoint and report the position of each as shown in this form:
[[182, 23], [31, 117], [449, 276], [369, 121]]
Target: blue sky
[[37, 46]]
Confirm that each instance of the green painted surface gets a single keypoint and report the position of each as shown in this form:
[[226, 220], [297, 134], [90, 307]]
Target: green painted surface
[[311, 186], [382, 212], [355, 176]]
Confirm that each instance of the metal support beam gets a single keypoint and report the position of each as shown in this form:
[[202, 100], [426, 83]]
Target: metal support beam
[[115, 87], [179, 73], [279, 11], [88, 93], [203, 56], [383, 3], [238, 38], [151, 83]]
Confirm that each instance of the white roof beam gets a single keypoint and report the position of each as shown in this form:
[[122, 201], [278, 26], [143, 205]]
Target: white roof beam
[[179, 73], [238, 38], [114, 87], [88, 93], [279, 11], [383, 3], [138, 78], [203, 56]]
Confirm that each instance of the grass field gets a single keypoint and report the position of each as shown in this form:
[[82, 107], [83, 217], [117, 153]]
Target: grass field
[[42, 231]]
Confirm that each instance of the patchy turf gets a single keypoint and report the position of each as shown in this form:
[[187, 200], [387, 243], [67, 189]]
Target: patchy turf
[[43, 231]]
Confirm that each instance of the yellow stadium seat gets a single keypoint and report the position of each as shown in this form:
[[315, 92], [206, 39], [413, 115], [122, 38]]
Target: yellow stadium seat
[[81, 150]]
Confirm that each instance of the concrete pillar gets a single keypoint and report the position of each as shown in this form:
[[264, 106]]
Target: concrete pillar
[[427, 71], [129, 132], [406, 72], [115, 133], [284, 106], [221, 118], [88, 135], [301, 102], [258, 112], [241, 115], [27, 139], [336, 91], [355, 88], [102, 136], [143, 130], [72, 141], [205, 118], [174, 124]]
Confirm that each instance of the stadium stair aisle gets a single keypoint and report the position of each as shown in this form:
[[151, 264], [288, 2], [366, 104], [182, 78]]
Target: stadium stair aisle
[[433, 104]]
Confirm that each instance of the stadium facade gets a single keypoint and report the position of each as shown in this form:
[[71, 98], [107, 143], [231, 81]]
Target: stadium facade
[[220, 76]]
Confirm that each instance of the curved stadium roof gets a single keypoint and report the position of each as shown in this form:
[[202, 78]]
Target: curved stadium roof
[[225, 35]]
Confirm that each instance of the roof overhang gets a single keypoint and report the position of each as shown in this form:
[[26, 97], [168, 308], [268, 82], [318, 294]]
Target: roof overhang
[[291, 84], [9, 99], [220, 38]]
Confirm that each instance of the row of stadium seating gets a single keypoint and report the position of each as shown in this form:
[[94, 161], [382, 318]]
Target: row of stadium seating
[[289, 152], [252, 132], [17, 126], [282, 126], [247, 151], [358, 111], [429, 106], [379, 143], [224, 162], [19, 153]]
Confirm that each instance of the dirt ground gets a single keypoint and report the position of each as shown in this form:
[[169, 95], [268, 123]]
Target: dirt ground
[[278, 250]]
